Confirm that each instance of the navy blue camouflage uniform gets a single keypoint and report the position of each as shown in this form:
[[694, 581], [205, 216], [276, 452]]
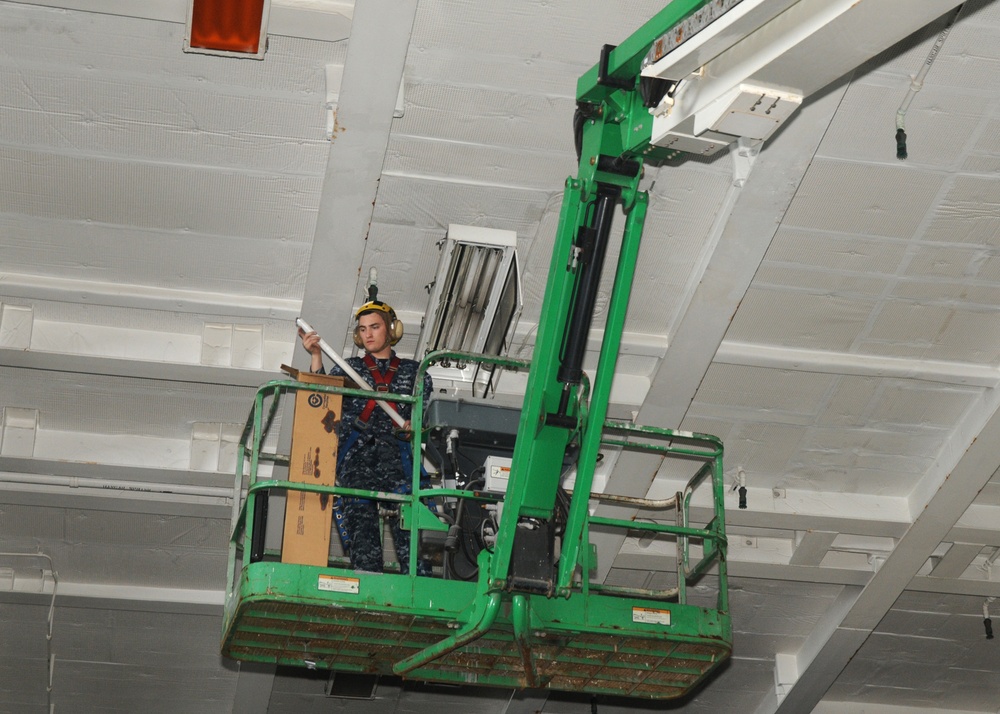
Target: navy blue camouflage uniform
[[373, 460]]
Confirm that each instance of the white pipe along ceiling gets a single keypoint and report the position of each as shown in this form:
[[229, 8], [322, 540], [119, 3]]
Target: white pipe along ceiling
[[824, 300]]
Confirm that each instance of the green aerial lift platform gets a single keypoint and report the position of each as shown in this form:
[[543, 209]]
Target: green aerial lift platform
[[523, 611]]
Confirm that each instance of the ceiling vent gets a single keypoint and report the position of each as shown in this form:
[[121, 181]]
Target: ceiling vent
[[474, 302], [231, 28]]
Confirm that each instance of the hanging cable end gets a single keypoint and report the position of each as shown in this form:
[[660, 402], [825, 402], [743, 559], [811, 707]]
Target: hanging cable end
[[901, 145]]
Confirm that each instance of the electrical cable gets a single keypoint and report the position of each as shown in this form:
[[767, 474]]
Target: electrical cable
[[917, 83]]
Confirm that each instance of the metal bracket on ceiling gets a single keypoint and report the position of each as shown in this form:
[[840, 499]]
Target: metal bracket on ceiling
[[744, 152]]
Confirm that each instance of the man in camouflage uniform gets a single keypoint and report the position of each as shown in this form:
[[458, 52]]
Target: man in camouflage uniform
[[373, 453]]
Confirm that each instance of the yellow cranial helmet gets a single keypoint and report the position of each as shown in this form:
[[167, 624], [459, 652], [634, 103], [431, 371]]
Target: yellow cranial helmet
[[395, 325]]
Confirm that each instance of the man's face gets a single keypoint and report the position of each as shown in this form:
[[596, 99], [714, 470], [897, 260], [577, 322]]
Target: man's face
[[374, 336]]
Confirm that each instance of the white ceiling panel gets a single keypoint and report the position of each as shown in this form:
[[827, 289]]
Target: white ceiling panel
[[821, 321], [113, 405], [176, 259], [939, 332], [912, 405], [508, 208], [866, 199], [969, 213], [764, 389], [170, 197], [489, 116], [490, 165], [935, 261], [818, 280], [834, 253], [866, 125]]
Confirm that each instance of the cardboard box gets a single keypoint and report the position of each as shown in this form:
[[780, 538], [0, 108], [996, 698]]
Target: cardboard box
[[313, 459]]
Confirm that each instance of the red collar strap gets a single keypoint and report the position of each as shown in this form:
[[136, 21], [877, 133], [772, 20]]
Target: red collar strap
[[382, 382]]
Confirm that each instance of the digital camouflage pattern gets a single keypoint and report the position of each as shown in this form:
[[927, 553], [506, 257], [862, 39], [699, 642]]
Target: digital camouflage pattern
[[373, 459]]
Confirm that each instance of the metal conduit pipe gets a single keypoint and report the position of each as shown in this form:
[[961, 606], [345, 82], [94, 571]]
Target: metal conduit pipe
[[50, 618], [917, 83], [651, 503], [115, 485]]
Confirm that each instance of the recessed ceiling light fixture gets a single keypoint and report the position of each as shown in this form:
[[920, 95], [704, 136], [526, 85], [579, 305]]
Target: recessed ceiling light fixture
[[231, 28]]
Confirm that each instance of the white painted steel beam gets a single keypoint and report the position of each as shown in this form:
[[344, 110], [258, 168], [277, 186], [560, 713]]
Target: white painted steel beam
[[957, 560], [804, 360], [161, 371], [42, 482], [812, 548], [184, 601], [380, 37], [967, 463], [148, 297]]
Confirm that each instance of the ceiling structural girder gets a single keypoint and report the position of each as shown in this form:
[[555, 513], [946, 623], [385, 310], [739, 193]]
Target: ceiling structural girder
[[120, 367], [841, 363], [526, 701], [117, 501], [138, 369], [148, 297], [826, 633], [954, 586], [119, 597], [956, 561], [970, 459], [633, 557], [812, 548], [376, 54], [366, 102], [254, 683], [88, 470]]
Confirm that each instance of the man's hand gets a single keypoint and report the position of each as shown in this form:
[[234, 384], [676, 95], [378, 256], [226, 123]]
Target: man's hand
[[310, 340]]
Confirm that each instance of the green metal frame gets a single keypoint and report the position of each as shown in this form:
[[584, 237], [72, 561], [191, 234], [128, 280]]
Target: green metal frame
[[460, 632], [502, 630]]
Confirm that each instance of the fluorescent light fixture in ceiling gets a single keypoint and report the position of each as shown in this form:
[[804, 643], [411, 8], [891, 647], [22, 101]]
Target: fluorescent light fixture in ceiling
[[475, 298], [231, 28]]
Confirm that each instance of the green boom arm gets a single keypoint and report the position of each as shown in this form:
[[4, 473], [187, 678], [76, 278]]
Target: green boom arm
[[613, 127]]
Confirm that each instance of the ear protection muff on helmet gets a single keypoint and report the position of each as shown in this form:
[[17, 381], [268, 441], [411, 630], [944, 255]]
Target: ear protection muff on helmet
[[395, 325]]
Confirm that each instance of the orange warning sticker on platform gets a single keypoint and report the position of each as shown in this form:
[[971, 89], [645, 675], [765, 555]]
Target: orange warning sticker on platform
[[338, 584], [650, 616]]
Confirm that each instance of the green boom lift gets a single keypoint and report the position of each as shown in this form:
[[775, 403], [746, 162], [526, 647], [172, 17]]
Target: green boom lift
[[524, 611]]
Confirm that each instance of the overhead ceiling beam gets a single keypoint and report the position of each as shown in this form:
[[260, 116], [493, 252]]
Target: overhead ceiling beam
[[822, 362], [137, 369], [634, 559], [108, 596], [967, 463], [957, 560], [373, 69], [112, 487], [148, 297], [372, 72]]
